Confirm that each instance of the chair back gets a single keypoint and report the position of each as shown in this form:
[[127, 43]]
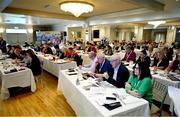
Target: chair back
[[159, 92]]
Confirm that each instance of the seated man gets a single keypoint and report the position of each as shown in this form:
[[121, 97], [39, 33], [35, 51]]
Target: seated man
[[118, 76], [93, 59], [102, 65]]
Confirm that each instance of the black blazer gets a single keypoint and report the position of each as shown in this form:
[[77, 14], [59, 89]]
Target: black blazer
[[3, 46], [146, 61], [122, 77], [176, 65], [164, 63], [49, 51], [35, 66]]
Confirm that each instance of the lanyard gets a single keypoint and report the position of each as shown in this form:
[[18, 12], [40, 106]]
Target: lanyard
[[159, 63], [128, 55], [136, 84], [101, 66]]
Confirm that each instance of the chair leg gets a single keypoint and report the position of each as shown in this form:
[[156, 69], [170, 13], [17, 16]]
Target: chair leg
[[42, 83], [159, 113], [39, 79]]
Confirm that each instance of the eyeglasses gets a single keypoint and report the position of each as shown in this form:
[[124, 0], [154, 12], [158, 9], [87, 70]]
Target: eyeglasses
[[136, 68]]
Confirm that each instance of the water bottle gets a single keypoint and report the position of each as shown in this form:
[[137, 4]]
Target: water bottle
[[78, 76]]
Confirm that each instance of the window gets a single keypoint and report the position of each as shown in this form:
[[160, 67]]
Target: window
[[16, 31]]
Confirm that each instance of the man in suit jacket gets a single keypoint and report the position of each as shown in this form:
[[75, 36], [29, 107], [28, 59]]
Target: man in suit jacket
[[118, 75], [102, 64]]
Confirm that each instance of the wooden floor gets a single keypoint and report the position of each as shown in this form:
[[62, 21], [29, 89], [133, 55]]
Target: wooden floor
[[46, 101]]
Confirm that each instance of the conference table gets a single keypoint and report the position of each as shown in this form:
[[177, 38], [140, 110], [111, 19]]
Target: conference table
[[87, 98], [12, 75], [54, 66], [174, 94]]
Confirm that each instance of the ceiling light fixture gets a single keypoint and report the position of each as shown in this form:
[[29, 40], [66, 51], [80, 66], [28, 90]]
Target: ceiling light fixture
[[156, 23], [76, 7]]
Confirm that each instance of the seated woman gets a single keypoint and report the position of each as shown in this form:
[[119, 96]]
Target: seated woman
[[144, 58], [139, 83], [26, 60], [48, 50], [9, 47], [59, 52], [160, 61], [108, 50], [73, 56], [174, 66], [167, 53], [17, 52], [130, 55], [35, 64]]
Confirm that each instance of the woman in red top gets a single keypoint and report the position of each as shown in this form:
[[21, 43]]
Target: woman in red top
[[73, 56]]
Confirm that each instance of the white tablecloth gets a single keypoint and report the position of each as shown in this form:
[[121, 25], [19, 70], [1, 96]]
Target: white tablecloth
[[22, 78], [54, 67], [174, 94], [84, 104]]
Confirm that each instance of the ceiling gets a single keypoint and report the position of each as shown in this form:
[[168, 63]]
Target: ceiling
[[32, 20], [47, 12], [52, 6]]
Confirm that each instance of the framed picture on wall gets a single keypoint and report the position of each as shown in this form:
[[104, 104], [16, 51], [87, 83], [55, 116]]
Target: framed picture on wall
[[78, 34], [95, 33]]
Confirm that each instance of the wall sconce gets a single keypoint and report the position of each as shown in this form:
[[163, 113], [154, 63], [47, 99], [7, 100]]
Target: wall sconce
[[1, 30], [30, 30]]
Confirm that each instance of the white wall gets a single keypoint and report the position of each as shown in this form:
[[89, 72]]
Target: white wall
[[104, 31], [71, 37], [60, 28], [13, 38]]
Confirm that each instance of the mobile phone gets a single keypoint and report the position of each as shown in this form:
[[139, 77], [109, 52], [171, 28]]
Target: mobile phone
[[110, 98]]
